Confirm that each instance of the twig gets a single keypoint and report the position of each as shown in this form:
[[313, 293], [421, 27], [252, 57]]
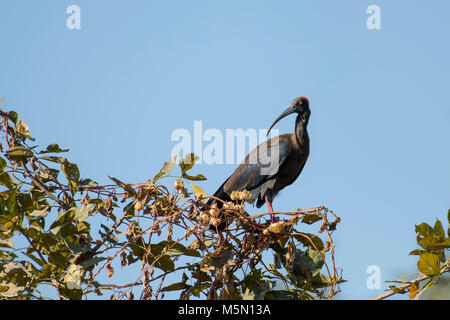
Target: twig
[[43, 189], [444, 269]]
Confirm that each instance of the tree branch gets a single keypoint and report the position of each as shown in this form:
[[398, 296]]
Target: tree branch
[[445, 268]]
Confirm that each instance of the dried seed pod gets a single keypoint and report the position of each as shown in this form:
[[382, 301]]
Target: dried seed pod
[[139, 205], [154, 209], [178, 184], [110, 270], [246, 195], [156, 229], [215, 221], [86, 199], [151, 271], [290, 255], [108, 204], [213, 213], [187, 234], [170, 233], [184, 193], [277, 227], [204, 218], [123, 259]]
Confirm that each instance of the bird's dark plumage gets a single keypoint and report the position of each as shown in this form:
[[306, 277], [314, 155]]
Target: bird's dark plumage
[[274, 164]]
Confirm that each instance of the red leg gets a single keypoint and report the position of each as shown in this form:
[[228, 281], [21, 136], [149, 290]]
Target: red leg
[[269, 205]]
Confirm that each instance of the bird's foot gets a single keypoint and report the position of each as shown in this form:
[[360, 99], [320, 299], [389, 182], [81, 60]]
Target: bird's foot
[[273, 219]]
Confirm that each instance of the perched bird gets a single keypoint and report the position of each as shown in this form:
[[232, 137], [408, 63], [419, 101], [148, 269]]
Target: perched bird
[[271, 166]]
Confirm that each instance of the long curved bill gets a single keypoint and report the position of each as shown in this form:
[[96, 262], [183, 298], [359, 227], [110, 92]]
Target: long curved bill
[[285, 113]]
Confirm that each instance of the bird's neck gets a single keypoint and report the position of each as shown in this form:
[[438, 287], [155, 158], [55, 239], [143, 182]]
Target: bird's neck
[[301, 132]]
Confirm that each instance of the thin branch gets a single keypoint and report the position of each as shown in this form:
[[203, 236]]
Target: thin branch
[[444, 269], [43, 189]]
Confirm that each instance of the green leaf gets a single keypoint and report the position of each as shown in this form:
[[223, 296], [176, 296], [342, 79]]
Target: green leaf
[[317, 261], [174, 252], [311, 218], [434, 243], [6, 180], [63, 217], [438, 230], [396, 289], [176, 286], [187, 252], [87, 182], [282, 241], [53, 159], [197, 190], [199, 287], [19, 153], [254, 287], [37, 214], [321, 281], [287, 295], [416, 252], [306, 264], [6, 244], [92, 261], [176, 249], [448, 218], [53, 148], [429, 264], [257, 290], [165, 263], [188, 162], [72, 174], [67, 229], [254, 277], [57, 259], [2, 164], [82, 213], [13, 116], [198, 177], [316, 241], [11, 203], [424, 230], [48, 174], [124, 186]]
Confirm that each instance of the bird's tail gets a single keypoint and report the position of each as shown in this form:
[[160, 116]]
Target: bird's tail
[[220, 194]]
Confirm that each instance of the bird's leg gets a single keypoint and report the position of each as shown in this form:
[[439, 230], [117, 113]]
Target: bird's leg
[[269, 205]]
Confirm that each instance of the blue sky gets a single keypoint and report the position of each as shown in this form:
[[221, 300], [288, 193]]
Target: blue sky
[[114, 91]]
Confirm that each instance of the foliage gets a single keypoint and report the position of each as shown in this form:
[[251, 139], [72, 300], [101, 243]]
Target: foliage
[[432, 263], [49, 238]]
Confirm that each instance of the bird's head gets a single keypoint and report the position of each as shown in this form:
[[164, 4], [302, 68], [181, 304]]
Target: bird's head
[[299, 105]]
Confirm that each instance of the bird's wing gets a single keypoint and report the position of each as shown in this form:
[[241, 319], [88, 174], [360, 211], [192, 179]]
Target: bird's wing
[[261, 165]]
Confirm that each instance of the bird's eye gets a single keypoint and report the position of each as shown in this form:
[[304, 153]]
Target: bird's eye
[[300, 102]]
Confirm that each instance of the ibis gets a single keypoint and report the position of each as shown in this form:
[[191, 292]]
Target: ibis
[[272, 165]]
